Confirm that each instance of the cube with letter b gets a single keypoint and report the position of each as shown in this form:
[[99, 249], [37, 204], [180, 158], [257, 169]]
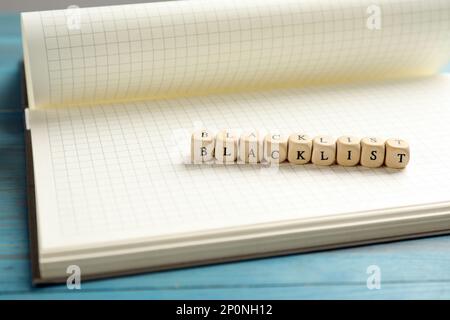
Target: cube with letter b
[[202, 146]]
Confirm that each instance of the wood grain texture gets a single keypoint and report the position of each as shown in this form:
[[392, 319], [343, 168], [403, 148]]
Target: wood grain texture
[[409, 269]]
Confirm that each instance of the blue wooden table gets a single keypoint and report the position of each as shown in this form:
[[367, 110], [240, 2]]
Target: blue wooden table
[[409, 269]]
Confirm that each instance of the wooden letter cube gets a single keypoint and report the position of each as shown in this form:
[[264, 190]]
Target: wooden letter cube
[[226, 147], [299, 148], [397, 153], [372, 152], [250, 147], [202, 146], [275, 147], [348, 151], [324, 150]]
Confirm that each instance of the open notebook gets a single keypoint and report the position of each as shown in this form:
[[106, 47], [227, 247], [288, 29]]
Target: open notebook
[[115, 91]]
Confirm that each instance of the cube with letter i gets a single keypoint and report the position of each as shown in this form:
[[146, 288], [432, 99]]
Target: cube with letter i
[[348, 151]]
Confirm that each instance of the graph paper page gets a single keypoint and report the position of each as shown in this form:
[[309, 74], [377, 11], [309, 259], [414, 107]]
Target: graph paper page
[[114, 172], [198, 47]]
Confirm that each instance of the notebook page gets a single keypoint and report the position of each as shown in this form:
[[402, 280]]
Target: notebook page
[[185, 48], [113, 172]]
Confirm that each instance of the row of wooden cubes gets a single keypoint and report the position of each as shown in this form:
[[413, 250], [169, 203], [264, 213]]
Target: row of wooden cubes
[[298, 148]]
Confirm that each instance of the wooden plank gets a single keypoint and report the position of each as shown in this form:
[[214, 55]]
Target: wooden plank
[[10, 25], [352, 291], [11, 130], [9, 82], [10, 61]]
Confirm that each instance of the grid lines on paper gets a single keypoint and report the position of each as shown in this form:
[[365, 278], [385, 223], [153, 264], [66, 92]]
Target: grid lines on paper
[[117, 171], [189, 47]]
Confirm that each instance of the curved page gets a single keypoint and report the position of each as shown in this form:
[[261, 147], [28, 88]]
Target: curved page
[[185, 48]]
